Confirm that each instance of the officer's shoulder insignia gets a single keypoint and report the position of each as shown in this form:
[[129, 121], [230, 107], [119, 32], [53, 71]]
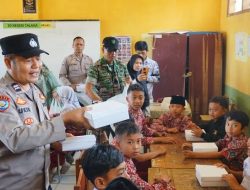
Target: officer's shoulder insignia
[[41, 96], [16, 87], [20, 101], [4, 103], [28, 121]]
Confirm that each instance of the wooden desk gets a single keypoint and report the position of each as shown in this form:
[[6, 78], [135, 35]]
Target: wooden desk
[[182, 179], [174, 157]]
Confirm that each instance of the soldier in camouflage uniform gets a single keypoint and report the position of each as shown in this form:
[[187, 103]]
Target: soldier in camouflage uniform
[[107, 75]]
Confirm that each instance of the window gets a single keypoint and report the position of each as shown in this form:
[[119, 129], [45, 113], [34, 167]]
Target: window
[[238, 6]]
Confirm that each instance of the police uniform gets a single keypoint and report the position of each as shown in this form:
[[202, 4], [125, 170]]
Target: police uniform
[[25, 128], [108, 78], [74, 70]]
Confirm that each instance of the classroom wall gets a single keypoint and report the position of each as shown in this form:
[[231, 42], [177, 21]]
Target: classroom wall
[[237, 84], [119, 17]]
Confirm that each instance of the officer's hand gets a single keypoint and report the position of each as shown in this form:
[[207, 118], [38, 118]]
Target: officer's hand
[[73, 86], [76, 117], [128, 80]]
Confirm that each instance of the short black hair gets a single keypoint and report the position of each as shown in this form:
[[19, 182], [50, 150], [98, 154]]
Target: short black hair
[[135, 87], [99, 159], [141, 46], [121, 183], [126, 128], [221, 100], [77, 37], [238, 116]]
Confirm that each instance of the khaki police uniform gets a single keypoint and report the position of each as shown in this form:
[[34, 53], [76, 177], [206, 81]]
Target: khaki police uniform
[[74, 70], [25, 124]]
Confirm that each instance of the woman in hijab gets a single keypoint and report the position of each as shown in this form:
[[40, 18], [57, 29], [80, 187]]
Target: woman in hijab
[[138, 75]]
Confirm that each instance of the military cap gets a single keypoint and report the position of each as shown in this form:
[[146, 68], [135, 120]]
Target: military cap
[[25, 45], [177, 100], [110, 43]]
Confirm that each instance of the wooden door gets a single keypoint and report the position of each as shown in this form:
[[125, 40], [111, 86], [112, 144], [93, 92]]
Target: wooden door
[[170, 53], [205, 63]]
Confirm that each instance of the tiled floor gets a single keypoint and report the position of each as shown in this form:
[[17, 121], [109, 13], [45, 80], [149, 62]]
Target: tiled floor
[[67, 181]]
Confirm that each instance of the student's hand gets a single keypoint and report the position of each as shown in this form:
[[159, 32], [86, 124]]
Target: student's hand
[[141, 77], [192, 125], [160, 134], [231, 180], [220, 165], [162, 179], [69, 135], [76, 117], [172, 130], [164, 134], [186, 146], [196, 131], [157, 134], [188, 153]]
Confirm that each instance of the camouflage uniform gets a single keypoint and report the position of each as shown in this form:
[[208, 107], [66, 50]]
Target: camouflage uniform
[[108, 79]]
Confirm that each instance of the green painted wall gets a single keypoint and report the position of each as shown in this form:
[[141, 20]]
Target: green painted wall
[[240, 99]]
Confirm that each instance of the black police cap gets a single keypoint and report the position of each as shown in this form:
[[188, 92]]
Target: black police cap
[[25, 45], [110, 43]]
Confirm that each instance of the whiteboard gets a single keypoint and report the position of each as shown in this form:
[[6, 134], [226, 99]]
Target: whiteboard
[[56, 38]]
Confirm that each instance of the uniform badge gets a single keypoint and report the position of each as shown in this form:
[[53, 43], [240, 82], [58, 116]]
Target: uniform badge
[[20, 101], [42, 97], [16, 87], [33, 43], [4, 103], [28, 121]]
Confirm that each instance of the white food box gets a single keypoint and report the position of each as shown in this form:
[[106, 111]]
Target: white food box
[[78, 142], [106, 113], [210, 175], [190, 137], [204, 147]]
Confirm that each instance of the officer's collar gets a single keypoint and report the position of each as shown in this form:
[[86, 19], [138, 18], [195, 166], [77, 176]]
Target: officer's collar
[[15, 86]]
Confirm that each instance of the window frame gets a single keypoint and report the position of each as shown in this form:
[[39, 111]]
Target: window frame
[[243, 8]]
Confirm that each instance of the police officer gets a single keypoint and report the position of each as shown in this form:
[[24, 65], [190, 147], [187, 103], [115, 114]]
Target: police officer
[[25, 127], [74, 69], [107, 75]]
